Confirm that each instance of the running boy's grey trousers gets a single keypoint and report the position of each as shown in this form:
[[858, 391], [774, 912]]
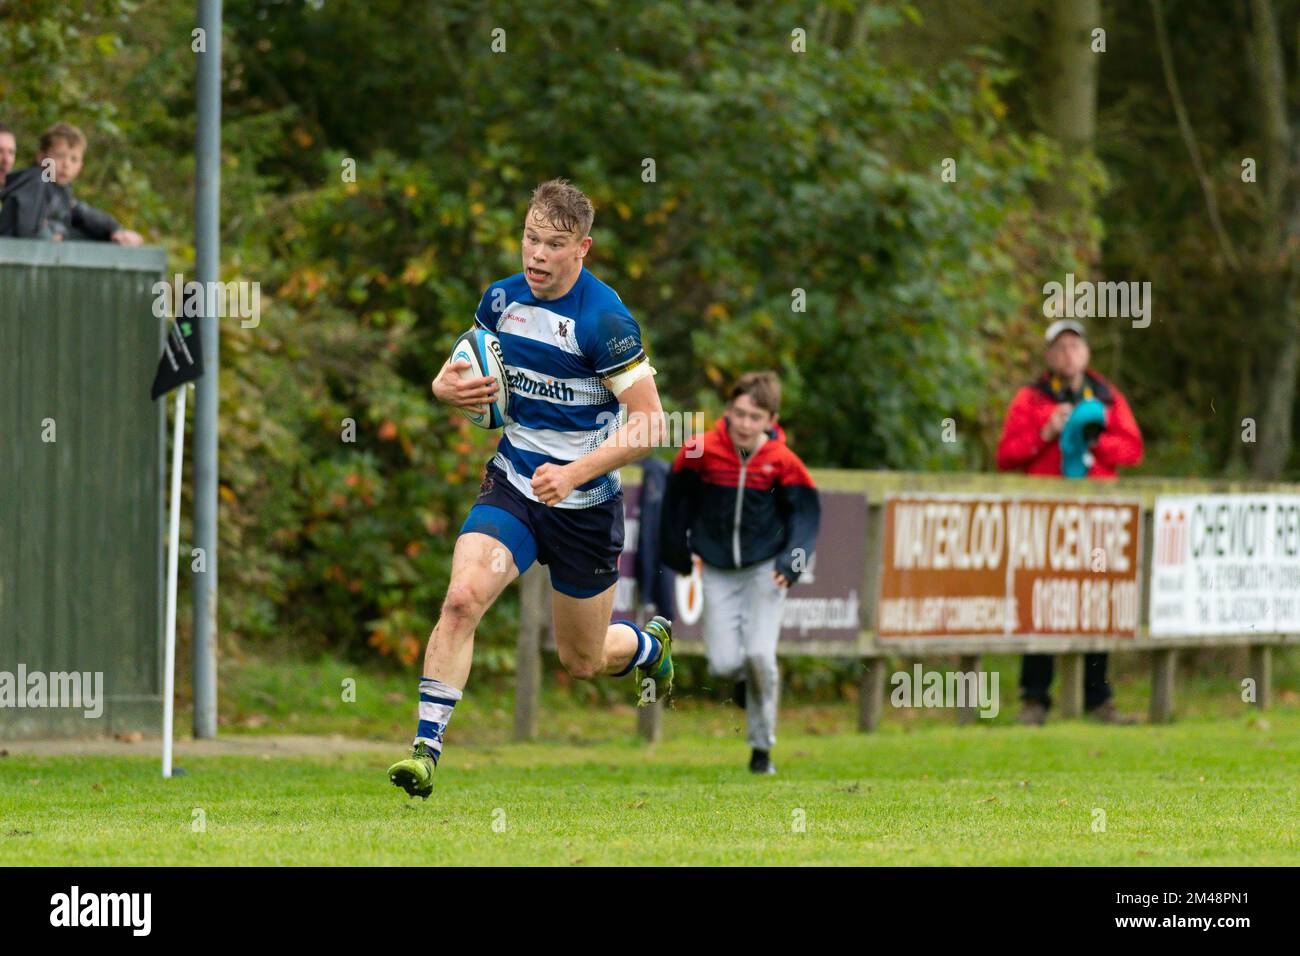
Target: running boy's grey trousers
[[742, 621]]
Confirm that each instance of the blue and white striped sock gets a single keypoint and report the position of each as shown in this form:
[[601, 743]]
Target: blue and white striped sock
[[437, 701], [647, 649]]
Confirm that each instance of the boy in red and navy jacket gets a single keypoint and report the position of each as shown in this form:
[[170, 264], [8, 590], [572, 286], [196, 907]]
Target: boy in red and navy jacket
[[743, 501]]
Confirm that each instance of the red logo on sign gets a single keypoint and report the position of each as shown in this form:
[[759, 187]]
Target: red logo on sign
[[1171, 539]]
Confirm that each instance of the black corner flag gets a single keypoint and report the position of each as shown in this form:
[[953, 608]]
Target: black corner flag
[[182, 358]]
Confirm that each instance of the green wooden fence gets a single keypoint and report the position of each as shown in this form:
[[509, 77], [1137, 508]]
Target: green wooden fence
[[81, 476]]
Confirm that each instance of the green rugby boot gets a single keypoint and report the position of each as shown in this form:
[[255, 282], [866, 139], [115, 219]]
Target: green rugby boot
[[660, 668], [415, 773]]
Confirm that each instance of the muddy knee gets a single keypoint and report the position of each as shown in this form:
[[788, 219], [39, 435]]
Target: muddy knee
[[461, 605]]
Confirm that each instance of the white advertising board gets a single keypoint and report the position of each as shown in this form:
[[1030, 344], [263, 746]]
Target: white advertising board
[[1225, 564]]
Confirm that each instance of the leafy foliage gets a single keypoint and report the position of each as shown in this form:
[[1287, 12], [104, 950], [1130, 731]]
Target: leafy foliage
[[796, 218]]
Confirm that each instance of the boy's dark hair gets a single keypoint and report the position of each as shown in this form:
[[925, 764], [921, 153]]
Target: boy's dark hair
[[564, 206], [65, 132], [6, 129], [763, 388]]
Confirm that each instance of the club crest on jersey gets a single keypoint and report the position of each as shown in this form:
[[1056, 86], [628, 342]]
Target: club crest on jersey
[[562, 328]]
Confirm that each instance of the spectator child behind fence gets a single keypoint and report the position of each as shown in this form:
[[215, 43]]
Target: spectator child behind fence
[[37, 202]]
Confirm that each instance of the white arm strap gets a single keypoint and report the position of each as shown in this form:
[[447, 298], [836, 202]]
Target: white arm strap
[[620, 382]]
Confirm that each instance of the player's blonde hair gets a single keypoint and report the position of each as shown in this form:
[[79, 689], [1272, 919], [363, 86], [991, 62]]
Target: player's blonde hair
[[564, 206]]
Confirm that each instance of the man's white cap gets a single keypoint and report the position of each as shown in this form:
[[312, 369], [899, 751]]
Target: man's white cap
[[1064, 325]]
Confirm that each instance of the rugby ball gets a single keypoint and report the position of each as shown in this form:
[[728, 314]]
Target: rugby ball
[[482, 350]]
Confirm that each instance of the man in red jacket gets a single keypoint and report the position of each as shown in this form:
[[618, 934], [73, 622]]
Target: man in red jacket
[[1031, 443]]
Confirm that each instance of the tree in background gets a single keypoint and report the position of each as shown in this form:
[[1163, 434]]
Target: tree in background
[[866, 196], [765, 196]]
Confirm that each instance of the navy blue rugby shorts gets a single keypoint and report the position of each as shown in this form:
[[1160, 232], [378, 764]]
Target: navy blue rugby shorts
[[580, 545]]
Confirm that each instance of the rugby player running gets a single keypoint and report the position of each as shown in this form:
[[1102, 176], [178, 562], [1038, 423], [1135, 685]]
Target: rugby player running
[[551, 493]]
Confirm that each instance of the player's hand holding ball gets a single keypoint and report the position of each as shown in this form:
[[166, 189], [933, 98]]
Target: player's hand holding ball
[[474, 379], [470, 393], [552, 483]]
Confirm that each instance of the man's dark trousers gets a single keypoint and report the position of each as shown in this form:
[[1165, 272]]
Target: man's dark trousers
[[1036, 679]]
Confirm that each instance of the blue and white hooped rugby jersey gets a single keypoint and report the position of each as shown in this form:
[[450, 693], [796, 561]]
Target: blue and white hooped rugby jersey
[[556, 353]]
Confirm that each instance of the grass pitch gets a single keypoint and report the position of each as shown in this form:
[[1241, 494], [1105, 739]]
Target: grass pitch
[[1202, 791]]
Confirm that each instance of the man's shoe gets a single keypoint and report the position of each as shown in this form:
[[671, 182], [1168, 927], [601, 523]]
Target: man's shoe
[[415, 773], [738, 694], [1032, 713], [1108, 713], [660, 668], [760, 761]]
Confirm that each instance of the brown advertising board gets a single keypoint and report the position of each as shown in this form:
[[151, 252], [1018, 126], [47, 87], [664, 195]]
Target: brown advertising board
[[966, 565], [823, 605]]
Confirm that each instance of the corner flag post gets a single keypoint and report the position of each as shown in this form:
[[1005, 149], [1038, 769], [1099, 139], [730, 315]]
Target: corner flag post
[[181, 363], [173, 556]]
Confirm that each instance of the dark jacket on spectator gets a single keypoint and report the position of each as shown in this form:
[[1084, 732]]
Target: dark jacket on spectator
[[654, 579], [31, 208], [735, 513]]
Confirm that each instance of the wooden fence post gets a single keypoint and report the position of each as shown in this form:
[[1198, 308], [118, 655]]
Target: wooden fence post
[[649, 721], [533, 610], [649, 717], [1070, 667], [1164, 669], [871, 694], [970, 663], [1261, 669]]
